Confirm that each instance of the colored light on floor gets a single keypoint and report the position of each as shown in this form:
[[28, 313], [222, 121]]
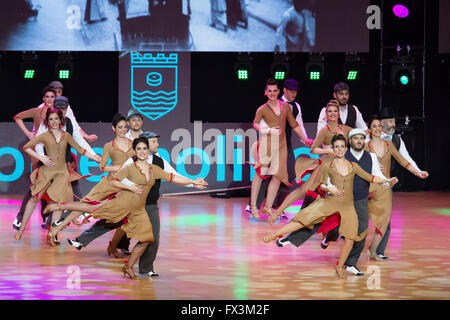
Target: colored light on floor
[[240, 285], [10, 202], [445, 211], [197, 220], [293, 209], [400, 11]]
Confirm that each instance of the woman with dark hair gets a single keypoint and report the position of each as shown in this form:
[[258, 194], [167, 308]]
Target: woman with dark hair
[[129, 203], [270, 151], [51, 180], [118, 150], [321, 146], [341, 173], [380, 203]]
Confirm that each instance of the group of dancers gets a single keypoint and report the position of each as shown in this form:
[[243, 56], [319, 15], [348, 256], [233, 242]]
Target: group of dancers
[[125, 199], [346, 187]]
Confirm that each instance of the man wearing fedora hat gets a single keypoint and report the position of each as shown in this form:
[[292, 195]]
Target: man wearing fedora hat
[[387, 117], [290, 92], [348, 114], [58, 87], [71, 126], [369, 162], [135, 120]]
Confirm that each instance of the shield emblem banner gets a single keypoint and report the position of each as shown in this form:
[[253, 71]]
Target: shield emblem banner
[[154, 83]]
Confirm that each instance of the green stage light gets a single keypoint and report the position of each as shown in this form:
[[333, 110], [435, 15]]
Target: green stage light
[[314, 75], [352, 74], [64, 74], [242, 74], [29, 73], [280, 75], [315, 67]]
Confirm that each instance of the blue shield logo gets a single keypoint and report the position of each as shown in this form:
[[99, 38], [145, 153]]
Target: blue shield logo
[[154, 83]]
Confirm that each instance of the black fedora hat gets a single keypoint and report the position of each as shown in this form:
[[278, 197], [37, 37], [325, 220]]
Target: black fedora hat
[[386, 113]]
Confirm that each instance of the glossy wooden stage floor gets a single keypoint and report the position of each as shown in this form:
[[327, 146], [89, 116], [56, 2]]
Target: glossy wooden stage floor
[[210, 249]]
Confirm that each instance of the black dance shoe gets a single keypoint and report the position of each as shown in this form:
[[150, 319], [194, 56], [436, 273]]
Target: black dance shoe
[[74, 243]]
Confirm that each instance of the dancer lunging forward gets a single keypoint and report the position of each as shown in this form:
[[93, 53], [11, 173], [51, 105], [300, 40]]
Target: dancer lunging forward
[[341, 173], [129, 204]]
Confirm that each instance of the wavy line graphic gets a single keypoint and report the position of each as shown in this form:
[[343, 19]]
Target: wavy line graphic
[[154, 93], [156, 98], [154, 109], [153, 113], [153, 103]]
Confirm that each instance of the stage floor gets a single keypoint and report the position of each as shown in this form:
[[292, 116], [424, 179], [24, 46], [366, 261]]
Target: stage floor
[[211, 249]]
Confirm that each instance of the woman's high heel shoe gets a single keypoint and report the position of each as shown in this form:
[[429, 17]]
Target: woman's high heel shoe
[[127, 270], [18, 235], [267, 211], [270, 237], [372, 255], [273, 217], [49, 207], [255, 211], [340, 271], [51, 239], [112, 250]]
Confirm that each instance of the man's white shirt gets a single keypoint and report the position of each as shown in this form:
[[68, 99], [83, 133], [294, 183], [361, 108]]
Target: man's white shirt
[[322, 122], [402, 150], [129, 136]]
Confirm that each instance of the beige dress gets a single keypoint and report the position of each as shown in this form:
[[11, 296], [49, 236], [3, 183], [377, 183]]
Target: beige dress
[[271, 151], [322, 208], [380, 198], [131, 206], [104, 189], [306, 165], [38, 116], [56, 178]]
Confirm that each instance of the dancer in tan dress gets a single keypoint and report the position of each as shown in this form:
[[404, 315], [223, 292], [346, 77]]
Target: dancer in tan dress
[[52, 179], [38, 115], [118, 150], [321, 146], [380, 199], [129, 203], [271, 148], [341, 173]]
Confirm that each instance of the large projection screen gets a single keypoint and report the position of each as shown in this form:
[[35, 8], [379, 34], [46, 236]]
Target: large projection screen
[[185, 25]]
